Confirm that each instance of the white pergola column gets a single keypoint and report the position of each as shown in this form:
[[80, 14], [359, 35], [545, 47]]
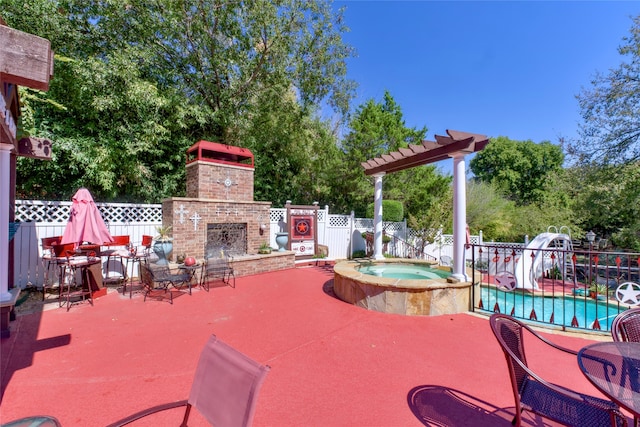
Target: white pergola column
[[5, 175], [377, 217], [459, 217]]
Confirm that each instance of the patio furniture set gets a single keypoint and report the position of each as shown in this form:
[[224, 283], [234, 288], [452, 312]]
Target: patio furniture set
[[80, 270], [612, 367]]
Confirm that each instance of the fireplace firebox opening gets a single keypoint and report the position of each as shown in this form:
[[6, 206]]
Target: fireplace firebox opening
[[230, 237]]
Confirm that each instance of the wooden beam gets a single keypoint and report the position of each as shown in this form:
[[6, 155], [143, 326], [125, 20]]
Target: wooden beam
[[25, 59], [36, 148], [421, 156]]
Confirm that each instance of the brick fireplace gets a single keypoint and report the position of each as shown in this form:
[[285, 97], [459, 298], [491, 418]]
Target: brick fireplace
[[219, 210]]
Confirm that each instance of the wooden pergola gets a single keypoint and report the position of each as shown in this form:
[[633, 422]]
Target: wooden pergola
[[456, 146], [25, 60]]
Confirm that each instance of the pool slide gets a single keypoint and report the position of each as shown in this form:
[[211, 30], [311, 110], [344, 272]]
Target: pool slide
[[528, 269]]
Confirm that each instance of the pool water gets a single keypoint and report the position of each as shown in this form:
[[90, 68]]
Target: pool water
[[404, 271], [586, 310]]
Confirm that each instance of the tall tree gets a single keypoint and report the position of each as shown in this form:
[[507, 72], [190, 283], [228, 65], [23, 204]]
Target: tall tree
[[138, 82], [607, 199], [375, 129], [610, 132], [520, 169], [223, 54]]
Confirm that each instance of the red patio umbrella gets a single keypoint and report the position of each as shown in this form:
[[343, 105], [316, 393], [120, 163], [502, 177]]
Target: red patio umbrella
[[85, 222]]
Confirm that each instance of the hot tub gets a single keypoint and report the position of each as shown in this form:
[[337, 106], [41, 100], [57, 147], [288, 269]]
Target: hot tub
[[409, 296]]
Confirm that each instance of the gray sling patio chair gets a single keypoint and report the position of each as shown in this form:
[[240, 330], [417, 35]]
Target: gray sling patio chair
[[536, 395], [224, 390]]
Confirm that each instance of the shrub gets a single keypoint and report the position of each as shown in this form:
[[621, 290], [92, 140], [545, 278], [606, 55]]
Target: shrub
[[627, 239], [392, 210], [358, 254]]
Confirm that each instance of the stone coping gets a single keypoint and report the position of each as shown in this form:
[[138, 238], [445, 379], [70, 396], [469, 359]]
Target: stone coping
[[15, 293], [204, 200], [428, 296], [350, 269]]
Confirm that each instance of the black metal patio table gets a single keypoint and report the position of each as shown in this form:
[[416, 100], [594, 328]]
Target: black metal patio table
[[614, 369]]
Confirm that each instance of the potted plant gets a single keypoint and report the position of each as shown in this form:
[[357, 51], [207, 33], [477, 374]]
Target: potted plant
[[264, 248], [163, 244], [598, 291]]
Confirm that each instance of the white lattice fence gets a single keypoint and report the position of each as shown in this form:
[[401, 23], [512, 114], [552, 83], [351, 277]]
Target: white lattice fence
[[56, 212], [40, 219]]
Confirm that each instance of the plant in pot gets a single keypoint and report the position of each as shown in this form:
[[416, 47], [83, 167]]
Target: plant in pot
[[598, 291], [264, 248], [163, 244]]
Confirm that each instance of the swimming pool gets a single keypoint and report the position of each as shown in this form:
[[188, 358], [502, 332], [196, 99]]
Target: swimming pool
[[563, 309]]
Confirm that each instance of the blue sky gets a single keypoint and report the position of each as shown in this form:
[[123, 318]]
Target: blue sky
[[505, 68]]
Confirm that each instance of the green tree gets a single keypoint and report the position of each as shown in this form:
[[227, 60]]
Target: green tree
[[607, 199], [487, 210], [129, 105], [610, 132], [293, 151], [115, 134], [224, 54], [374, 129], [392, 210], [519, 169], [428, 223]]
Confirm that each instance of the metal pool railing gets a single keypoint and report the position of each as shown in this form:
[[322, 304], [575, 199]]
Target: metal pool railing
[[560, 286]]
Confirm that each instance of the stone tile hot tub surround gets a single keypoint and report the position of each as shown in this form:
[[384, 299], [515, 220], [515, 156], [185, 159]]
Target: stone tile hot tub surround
[[428, 297]]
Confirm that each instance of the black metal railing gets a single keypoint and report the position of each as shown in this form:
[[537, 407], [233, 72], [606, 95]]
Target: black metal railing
[[571, 288]]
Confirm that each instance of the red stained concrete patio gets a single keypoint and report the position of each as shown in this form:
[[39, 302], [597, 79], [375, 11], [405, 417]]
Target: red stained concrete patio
[[332, 364]]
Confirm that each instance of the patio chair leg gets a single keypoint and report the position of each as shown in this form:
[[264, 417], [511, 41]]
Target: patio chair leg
[[186, 415], [514, 421]]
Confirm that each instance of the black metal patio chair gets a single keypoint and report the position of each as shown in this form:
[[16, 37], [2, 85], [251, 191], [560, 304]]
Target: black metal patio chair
[[626, 326], [536, 395], [160, 278], [217, 266]]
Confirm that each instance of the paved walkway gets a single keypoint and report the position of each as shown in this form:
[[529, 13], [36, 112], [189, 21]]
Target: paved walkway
[[332, 364]]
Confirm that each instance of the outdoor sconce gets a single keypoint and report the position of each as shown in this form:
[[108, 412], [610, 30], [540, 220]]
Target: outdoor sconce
[[262, 228]]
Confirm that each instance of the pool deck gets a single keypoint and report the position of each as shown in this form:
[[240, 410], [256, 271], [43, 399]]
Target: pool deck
[[332, 363]]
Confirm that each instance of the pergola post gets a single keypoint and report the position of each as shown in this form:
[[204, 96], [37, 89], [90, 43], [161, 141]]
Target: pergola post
[[5, 191], [377, 217], [456, 145], [459, 217]]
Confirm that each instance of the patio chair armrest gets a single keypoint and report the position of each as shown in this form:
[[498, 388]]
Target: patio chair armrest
[[149, 411], [550, 343], [558, 389]]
